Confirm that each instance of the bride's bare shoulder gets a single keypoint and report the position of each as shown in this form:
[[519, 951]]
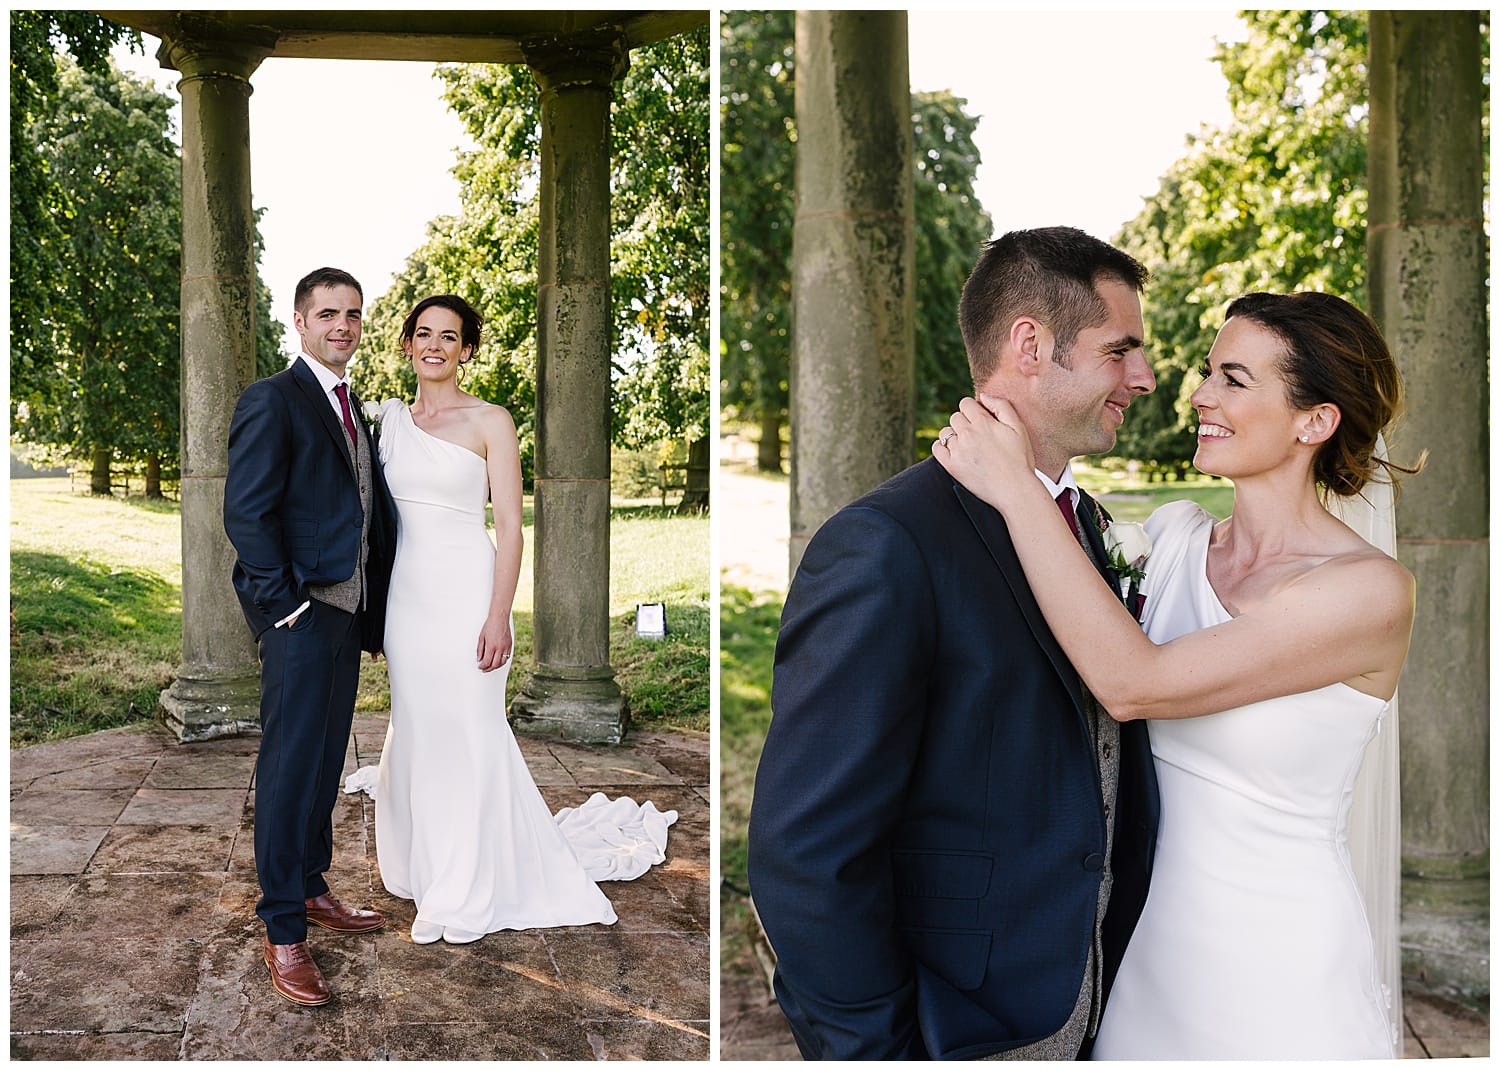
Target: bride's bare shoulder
[[1366, 578], [495, 423]]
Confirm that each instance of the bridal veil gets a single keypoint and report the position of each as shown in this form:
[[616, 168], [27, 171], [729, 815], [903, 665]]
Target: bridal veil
[[1375, 818]]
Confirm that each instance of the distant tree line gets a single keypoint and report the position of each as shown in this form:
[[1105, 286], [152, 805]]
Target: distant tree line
[[96, 240]]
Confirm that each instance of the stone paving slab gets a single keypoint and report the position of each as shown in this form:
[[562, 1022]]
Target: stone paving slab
[[52, 849], [163, 849], [40, 807], [202, 771], [133, 934], [108, 747], [185, 807]]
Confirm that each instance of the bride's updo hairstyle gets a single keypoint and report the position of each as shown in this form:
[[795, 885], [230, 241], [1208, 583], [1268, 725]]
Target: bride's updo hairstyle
[[1334, 356], [472, 321]]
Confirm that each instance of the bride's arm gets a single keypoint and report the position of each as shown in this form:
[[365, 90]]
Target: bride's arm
[[1343, 621], [503, 460]]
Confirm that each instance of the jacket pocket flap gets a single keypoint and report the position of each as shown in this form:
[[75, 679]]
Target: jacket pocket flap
[[302, 533], [947, 875], [959, 957]]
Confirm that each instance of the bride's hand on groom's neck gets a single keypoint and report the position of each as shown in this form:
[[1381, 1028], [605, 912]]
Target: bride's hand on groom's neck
[[986, 448]]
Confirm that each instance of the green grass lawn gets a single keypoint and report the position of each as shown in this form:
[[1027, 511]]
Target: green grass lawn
[[96, 624]]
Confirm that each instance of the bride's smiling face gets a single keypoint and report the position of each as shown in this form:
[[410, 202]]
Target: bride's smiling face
[[1245, 422], [436, 345]]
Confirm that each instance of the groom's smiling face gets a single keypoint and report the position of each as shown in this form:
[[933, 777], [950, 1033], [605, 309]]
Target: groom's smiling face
[[330, 325], [1080, 407]]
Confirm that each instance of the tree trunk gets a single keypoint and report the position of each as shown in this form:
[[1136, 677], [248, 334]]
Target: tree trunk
[[99, 478], [695, 498], [768, 454], [153, 476]]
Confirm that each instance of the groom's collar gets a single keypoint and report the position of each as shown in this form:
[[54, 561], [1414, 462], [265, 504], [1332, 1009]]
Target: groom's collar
[[1065, 482], [326, 379]]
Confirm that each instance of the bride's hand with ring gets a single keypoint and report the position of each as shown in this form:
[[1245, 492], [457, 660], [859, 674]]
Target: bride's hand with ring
[[985, 447], [495, 643]]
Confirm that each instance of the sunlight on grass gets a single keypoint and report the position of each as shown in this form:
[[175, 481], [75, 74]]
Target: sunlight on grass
[[748, 624], [96, 622]]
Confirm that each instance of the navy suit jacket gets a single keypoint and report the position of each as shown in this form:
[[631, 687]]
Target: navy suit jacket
[[291, 503], [927, 835]]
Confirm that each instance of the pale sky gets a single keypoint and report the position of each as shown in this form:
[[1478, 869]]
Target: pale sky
[[350, 159], [1081, 112]]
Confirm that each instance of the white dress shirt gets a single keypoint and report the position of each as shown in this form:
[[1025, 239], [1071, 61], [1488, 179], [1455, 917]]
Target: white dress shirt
[[1065, 482], [328, 381]]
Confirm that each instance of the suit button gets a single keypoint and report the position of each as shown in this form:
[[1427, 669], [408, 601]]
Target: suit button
[[1093, 861]]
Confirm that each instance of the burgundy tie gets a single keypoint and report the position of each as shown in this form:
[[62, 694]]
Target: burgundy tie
[[342, 390], [1065, 503]]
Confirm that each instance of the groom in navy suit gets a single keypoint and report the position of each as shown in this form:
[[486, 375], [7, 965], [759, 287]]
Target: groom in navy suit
[[313, 528], [950, 841]]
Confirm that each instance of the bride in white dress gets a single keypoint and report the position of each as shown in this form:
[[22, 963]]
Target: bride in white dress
[[1288, 631], [460, 827]]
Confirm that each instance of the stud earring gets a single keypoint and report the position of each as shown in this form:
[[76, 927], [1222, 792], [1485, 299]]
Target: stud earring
[[1304, 438]]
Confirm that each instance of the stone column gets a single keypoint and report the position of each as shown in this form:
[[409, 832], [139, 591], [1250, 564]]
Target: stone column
[[217, 687], [1428, 264], [853, 389], [572, 692]]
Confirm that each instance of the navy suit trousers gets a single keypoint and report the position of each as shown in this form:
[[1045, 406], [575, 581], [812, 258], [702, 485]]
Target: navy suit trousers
[[309, 673]]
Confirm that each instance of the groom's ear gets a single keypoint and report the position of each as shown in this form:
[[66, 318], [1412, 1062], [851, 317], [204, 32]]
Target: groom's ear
[[1029, 341]]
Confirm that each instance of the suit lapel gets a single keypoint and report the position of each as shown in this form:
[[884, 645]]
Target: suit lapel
[[313, 392], [1090, 521], [996, 538]]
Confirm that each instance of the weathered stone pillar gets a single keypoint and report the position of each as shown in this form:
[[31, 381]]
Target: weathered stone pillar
[[853, 329], [1428, 264], [572, 692], [217, 687]]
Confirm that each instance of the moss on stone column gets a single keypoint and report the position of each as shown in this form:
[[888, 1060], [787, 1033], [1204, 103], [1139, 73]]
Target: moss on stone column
[[217, 687], [853, 259], [572, 692], [1428, 265]]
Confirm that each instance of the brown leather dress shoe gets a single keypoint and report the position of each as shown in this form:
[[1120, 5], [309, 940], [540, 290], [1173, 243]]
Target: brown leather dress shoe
[[326, 911], [294, 974]]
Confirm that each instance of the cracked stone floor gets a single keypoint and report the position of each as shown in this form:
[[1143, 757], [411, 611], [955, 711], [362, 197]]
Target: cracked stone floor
[[134, 936]]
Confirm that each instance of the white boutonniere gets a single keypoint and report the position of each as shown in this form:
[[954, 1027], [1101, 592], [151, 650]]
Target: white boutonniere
[[1128, 546], [372, 414]]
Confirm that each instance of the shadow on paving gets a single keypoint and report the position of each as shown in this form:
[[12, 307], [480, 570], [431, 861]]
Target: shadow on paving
[[134, 936]]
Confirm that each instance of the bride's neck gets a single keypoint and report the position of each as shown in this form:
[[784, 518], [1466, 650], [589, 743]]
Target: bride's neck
[[435, 397], [1274, 513]]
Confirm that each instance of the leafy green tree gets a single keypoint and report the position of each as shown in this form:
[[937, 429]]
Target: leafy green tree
[[1275, 200], [951, 226], [99, 375], [35, 201], [659, 250], [758, 141]]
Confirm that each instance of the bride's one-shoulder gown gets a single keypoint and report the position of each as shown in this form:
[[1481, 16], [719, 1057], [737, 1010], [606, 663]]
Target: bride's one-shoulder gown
[[1254, 942], [460, 827]]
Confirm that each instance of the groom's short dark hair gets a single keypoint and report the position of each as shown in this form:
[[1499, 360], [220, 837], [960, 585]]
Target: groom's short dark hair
[[322, 277], [1049, 273]]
